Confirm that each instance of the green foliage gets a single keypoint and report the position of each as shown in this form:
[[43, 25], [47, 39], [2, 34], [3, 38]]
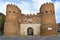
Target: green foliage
[[2, 19], [2, 16]]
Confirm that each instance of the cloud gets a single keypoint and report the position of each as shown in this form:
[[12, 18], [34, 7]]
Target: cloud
[[31, 6], [57, 11], [38, 3], [24, 7], [3, 6]]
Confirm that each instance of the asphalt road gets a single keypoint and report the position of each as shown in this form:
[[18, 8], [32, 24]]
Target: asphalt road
[[31, 38]]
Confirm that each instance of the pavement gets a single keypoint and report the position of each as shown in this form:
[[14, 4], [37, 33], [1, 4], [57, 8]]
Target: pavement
[[31, 38]]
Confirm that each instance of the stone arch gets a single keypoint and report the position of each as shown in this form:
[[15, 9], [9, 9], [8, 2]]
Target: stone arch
[[29, 31]]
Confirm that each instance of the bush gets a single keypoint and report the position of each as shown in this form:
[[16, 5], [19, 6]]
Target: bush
[[2, 18]]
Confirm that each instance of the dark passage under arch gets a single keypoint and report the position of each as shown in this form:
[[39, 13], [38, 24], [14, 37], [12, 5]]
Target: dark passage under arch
[[30, 31]]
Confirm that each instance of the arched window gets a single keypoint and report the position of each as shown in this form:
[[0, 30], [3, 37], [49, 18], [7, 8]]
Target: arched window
[[9, 11], [29, 31], [46, 11], [14, 12], [51, 12]]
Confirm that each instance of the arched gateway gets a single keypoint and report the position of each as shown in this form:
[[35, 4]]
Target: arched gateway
[[30, 31]]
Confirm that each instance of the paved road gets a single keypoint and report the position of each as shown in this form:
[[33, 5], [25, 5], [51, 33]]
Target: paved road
[[31, 38]]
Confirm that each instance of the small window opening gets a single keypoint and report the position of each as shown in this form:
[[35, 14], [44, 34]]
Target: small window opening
[[13, 11], [46, 11], [9, 11]]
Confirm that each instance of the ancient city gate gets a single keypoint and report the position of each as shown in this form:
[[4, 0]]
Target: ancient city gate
[[29, 31]]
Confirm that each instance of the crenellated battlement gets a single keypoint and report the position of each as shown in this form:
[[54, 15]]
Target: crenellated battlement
[[32, 14], [47, 8], [47, 4], [40, 22], [11, 7]]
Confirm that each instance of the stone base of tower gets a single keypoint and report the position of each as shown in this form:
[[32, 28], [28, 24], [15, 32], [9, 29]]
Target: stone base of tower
[[11, 29], [46, 32], [49, 34]]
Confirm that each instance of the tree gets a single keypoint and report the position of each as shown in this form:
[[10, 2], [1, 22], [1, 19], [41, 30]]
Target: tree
[[2, 19]]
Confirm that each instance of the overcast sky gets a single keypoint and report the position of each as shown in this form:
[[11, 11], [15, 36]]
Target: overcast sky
[[30, 6]]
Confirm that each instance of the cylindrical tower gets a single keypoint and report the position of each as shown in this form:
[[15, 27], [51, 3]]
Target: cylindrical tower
[[48, 21], [11, 26]]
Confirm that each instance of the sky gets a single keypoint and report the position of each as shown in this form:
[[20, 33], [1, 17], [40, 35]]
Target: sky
[[30, 6]]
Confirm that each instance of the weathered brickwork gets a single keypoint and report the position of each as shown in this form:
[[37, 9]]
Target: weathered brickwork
[[44, 23]]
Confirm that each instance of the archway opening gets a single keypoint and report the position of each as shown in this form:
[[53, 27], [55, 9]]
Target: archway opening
[[30, 31]]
